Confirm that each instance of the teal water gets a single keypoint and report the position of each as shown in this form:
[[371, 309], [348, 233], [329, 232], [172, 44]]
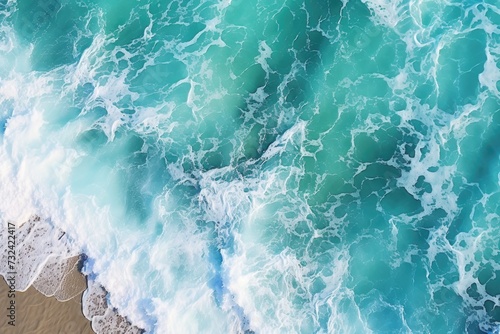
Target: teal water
[[264, 166]]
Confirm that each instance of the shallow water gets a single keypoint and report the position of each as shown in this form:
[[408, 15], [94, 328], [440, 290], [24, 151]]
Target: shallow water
[[265, 167]]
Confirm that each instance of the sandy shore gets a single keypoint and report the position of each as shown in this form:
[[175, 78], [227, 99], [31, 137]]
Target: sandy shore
[[46, 248], [37, 314]]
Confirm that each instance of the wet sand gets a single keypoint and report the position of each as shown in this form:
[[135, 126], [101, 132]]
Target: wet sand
[[37, 314]]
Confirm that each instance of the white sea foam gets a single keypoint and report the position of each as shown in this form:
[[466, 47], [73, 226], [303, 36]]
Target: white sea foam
[[163, 271], [490, 77], [386, 12], [37, 244]]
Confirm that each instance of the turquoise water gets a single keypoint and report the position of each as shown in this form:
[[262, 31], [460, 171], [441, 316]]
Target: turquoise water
[[264, 166]]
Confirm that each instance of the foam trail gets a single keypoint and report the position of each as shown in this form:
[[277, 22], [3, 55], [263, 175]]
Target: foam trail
[[267, 167]]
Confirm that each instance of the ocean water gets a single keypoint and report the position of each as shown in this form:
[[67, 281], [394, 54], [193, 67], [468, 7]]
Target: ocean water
[[263, 166]]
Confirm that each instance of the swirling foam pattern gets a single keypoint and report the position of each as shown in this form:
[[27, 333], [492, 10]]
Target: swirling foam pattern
[[296, 166]]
